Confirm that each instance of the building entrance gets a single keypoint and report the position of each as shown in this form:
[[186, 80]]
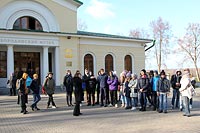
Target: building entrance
[[28, 62]]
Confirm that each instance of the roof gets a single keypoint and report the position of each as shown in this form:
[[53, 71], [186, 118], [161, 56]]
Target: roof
[[78, 1], [85, 33]]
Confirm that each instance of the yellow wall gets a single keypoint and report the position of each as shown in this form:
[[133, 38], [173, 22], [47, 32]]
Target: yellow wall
[[68, 48], [66, 18], [119, 54]]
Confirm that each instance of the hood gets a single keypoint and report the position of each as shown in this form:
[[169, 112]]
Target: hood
[[178, 70]]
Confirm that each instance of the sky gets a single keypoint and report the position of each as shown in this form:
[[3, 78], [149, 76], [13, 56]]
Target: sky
[[120, 16]]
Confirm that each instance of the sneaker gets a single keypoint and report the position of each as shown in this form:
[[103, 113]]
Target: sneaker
[[53, 107], [110, 105], [165, 112], [133, 108], [116, 105]]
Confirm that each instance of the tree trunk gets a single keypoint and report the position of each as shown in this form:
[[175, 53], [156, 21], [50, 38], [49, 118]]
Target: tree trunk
[[197, 71]]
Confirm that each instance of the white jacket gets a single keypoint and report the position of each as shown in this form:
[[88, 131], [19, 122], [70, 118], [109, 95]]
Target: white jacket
[[185, 83]]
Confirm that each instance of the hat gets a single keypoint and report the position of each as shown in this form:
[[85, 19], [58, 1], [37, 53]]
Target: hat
[[143, 70], [134, 75], [162, 72], [50, 73], [156, 72]]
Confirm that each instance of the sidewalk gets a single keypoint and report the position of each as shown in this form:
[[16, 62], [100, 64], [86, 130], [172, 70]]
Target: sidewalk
[[94, 119]]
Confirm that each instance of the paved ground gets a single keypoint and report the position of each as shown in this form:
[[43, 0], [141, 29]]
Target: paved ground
[[94, 119]]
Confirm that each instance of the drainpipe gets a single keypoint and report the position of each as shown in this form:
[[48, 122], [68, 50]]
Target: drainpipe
[[154, 42]]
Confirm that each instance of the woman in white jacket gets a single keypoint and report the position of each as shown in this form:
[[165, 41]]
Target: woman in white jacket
[[185, 92]]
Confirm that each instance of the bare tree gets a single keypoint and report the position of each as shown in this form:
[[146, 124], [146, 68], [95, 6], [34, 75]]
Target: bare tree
[[190, 44], [82, 25], [141, 33], [161, 33]]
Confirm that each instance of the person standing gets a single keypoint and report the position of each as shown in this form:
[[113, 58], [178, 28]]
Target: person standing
[[154, 90], [185, 91], [49, 85], [98, 88], [163, 89], [175, 83], [68, 83], [92, 87], [77, 82], [103, 84], [85, 79], [23, 92], [113, 86], [134, 92], [36, 92], [9, 84], [127, 92], [143, 84]]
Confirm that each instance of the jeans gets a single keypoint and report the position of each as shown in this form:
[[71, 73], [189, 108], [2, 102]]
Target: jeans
[[128, 101], [186, 105], [134, 101], [163, 102], [122, 98], [104, 96], [143, 99], [176, 95], [36, 99]]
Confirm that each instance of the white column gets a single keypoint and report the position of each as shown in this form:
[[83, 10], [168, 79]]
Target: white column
[[45, 62], [57, 64], [10, 60]]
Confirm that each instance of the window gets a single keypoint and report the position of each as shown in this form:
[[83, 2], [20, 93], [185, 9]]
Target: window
[[29, 23], [128, 63], [88, 62], [3, 64], [108, 63]]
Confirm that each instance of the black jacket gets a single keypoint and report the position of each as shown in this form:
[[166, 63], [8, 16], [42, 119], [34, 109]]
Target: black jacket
[[175, 79], [163, 85], [77, 82], [92, 83], [143, 83], [68, 83], [35, 86]]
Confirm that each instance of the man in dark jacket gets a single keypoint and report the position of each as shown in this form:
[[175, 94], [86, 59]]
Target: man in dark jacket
[[163, 89], [68, 83], [175, 83], [36, 92], [103, 86], [143, 85]]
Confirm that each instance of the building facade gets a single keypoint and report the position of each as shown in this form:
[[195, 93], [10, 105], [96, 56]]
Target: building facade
[[37, 36]]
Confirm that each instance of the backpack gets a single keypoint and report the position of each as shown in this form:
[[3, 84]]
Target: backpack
[[18, 84]]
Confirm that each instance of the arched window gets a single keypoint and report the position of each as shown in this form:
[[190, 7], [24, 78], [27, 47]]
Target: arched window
[[108, 63], [128, 63], [28, 23], [88, 62]]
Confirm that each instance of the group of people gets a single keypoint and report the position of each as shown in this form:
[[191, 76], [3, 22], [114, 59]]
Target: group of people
[[129, 90]]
